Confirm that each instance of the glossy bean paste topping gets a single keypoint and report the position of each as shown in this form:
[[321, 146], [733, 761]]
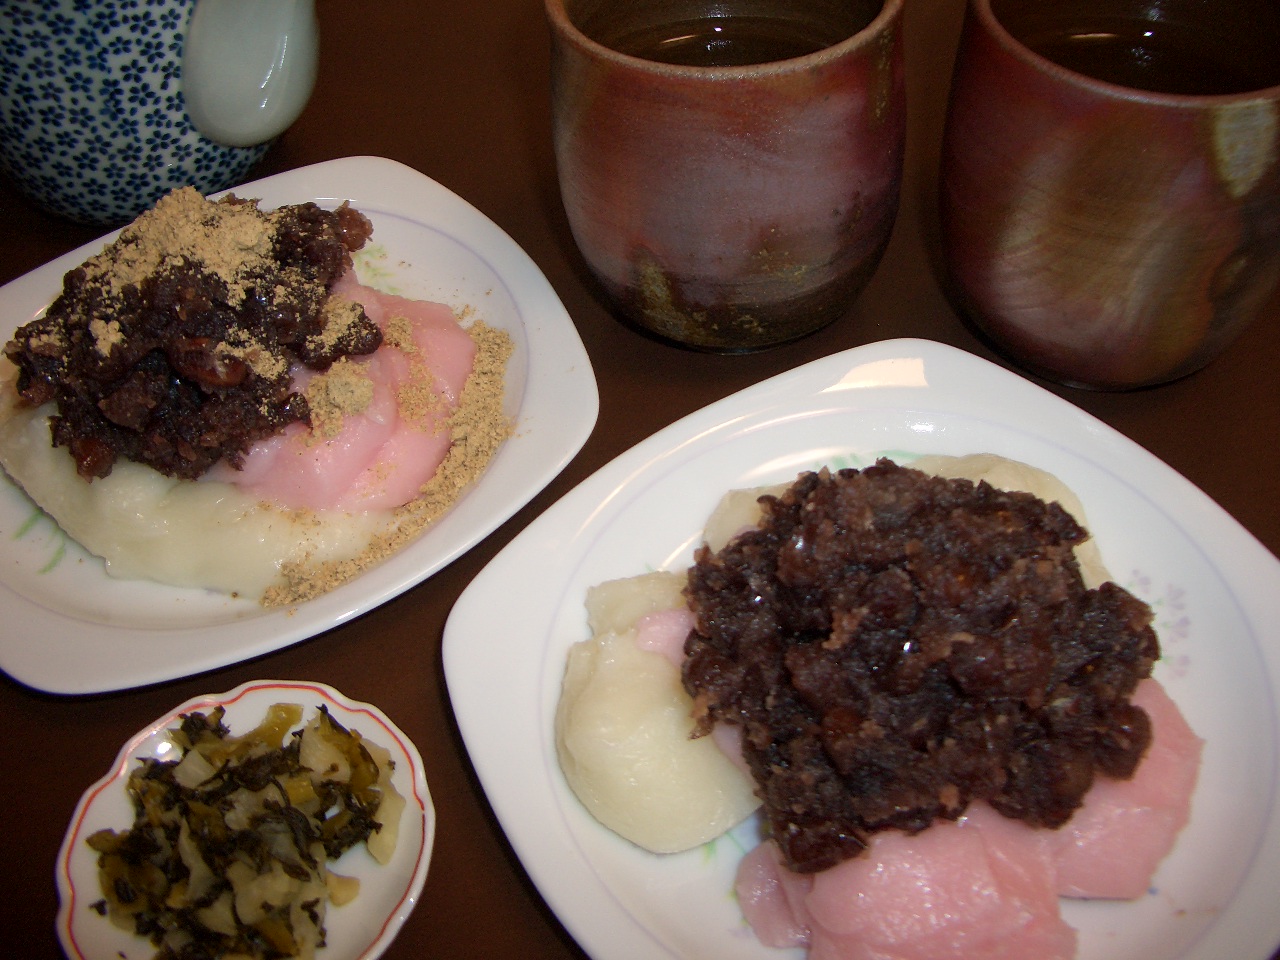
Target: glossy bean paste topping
[[896, 645], [173, 347]]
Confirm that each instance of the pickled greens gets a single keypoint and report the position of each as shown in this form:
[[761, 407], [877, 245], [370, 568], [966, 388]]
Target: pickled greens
[[230, 848]]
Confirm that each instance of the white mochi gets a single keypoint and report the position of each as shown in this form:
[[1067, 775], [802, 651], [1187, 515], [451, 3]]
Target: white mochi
[[623, 730], [183, 533]]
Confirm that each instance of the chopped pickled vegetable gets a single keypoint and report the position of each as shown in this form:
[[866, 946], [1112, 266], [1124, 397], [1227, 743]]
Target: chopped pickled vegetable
[[228, 852]]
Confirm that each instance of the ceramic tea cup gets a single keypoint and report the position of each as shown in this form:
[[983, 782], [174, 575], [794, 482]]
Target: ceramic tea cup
[[730, 179], [1110, 182], [106, 105]]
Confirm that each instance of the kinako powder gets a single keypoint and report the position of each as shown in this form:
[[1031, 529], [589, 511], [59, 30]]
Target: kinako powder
[[478, 426]]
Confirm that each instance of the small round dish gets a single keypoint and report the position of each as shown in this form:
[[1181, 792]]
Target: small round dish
[[361, 929]]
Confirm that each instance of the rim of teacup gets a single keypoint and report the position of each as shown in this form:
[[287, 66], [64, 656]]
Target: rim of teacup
[[890, 11], [982, 9]]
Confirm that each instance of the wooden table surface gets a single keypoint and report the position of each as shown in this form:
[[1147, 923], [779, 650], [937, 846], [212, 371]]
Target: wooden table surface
[[459, 91]]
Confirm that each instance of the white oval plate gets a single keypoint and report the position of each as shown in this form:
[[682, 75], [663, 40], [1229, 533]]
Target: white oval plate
[[71, 628], [1215, 590], [361, 929]]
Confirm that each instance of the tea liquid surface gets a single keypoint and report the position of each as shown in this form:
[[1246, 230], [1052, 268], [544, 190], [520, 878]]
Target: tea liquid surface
[[1152, 57], [724, 41]]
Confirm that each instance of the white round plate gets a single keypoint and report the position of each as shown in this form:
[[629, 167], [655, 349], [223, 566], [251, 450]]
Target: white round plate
[[97, 633], [1214, 588], [359, 930]]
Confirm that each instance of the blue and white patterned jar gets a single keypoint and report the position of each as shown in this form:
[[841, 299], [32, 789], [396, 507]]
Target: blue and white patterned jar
[[93, 118]]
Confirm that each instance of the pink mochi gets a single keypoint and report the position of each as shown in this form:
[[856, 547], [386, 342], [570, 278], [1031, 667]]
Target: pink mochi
[[982, 888], [664, 632], [772, 898], [1112, 845], [985, 887], [380, 460]]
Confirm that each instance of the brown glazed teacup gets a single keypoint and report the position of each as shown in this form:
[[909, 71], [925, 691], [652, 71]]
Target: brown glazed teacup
[[1110, 182], [732, 180]]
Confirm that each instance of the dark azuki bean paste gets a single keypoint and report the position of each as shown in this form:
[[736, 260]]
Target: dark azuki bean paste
[[896, 645], [173, 347]]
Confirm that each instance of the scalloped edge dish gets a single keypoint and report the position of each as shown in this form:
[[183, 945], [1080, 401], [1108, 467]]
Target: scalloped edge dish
[[1214, 588], [71, 628], [388, 893]]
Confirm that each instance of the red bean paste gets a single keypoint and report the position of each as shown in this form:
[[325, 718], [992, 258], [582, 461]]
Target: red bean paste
[[173, 347], [896, 645]]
